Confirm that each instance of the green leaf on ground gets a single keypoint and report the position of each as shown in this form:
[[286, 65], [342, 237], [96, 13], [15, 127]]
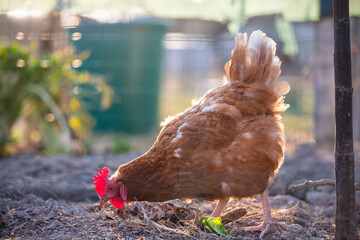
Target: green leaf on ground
[[214, 225]]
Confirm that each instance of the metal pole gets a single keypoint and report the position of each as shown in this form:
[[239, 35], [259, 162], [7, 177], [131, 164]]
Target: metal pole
[[345, 214]]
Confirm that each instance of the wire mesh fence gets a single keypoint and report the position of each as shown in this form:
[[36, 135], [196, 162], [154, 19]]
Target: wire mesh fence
[[157, 67]]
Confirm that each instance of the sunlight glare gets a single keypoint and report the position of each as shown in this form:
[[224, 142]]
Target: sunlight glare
[[76, 36], [20, 36], [20, 63], [76, 63], [50, 117], [24, 13]]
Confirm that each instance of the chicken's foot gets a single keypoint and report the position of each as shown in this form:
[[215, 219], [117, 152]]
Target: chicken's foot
[[265, 226], [219, 208]]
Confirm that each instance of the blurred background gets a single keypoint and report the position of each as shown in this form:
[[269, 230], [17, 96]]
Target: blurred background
[[85, 76]]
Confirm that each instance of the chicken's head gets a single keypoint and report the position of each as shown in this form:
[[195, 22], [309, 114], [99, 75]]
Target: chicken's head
[[109, 189]]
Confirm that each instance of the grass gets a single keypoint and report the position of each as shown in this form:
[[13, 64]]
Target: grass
[[120, 144]]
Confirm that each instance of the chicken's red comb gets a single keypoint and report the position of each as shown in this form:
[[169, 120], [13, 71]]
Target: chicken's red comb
[[101, 180]]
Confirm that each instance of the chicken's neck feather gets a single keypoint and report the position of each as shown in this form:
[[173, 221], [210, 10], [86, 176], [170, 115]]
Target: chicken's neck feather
[[145, 178]]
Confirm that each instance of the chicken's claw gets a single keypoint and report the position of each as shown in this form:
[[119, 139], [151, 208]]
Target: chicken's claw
[[264, 228], [268, 219]]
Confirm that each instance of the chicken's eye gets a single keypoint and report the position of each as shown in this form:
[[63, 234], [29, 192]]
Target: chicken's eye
[[110, 188]]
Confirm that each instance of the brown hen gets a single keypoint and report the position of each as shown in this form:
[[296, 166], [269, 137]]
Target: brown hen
[[228, 145]]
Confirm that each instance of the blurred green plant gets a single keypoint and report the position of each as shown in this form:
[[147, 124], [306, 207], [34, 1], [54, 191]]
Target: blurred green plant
[[299, 117], [41, 101], [120, 144]]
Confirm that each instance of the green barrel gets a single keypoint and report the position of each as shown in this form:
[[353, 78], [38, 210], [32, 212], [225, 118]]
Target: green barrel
[[129, 57]]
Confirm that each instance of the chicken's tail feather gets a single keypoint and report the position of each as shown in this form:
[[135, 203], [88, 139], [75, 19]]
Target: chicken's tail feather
[[253, 62]]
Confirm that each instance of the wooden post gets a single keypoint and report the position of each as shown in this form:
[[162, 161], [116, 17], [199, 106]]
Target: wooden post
[[345, 215]]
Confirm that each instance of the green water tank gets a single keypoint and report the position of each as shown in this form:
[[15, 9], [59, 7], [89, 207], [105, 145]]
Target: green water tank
[[129, 56]]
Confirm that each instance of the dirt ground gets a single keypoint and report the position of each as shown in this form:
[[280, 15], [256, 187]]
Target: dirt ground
[[54, 198]]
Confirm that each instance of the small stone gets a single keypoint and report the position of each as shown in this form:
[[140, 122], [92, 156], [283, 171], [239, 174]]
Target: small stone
[[295, 228], [319, 198], [243, 238], [21, 215], [51, 202], [54, 225], [282, 224], [35, 199], [323, 225], [318, 209], [38, 221], [329, 211], [303, 214], [286, 236], [52, 215], [283, 201], [314, 234]]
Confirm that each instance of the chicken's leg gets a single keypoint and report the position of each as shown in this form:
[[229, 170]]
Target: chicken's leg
[[265, 226], [219, 208]]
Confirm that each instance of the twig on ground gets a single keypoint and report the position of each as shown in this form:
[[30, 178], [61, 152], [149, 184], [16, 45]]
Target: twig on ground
[[301, 221], [108, 214], [317, 183], [24, 233], [233, 215], [16, 228], [147, 219], [289, 210]]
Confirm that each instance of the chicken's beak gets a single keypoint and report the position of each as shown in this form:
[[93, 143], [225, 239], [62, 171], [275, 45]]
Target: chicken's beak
[[103, 202]]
